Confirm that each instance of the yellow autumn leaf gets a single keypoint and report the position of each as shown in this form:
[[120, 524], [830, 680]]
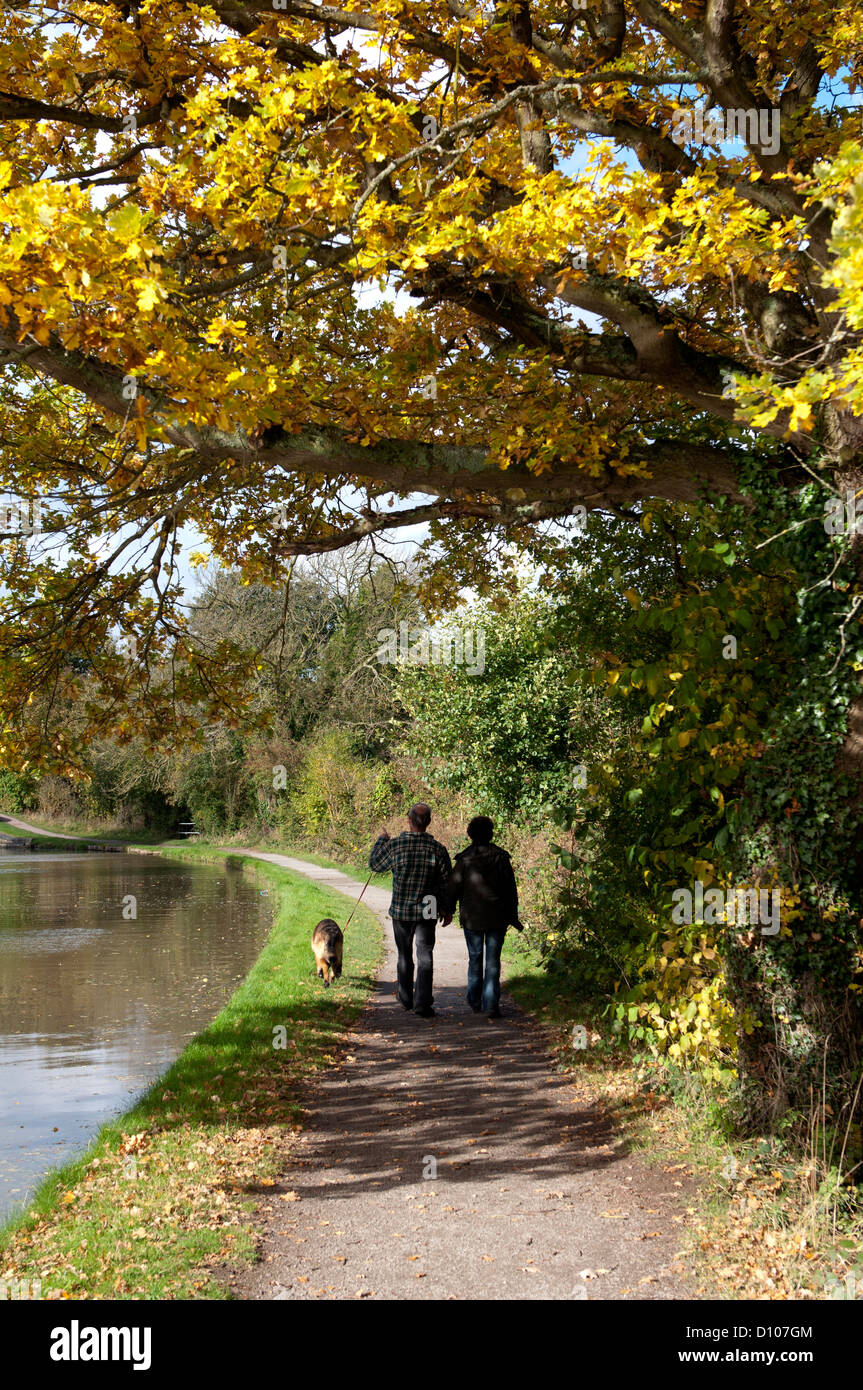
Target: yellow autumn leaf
[[148, 297]]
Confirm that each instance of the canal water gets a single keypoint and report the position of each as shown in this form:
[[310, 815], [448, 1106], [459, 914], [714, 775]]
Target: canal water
[[109, 964]]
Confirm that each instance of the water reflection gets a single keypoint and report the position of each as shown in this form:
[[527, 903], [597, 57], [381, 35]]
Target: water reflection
[[95, 1004]]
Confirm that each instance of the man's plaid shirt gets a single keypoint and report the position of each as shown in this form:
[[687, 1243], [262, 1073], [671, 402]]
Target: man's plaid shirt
[[421, 868]]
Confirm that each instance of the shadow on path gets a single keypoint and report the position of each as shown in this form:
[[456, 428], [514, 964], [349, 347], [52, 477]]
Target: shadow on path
[[445, 1159]]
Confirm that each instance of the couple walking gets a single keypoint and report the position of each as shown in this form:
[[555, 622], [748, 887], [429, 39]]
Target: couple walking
[[427, 887]]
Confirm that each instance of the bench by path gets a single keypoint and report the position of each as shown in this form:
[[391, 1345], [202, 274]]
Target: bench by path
[[534, 1198]]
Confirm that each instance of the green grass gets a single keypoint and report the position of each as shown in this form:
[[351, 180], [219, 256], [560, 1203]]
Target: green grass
[[39, 841], [356, 867], [81, 834], [558, 1006], [168, 1186], [7, 829], [78, 829]]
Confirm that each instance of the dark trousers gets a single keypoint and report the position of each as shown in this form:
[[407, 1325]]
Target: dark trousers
[[483, 986], [405, 934]]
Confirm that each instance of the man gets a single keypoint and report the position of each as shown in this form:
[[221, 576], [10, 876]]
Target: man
[[421, 868], [484, 884]]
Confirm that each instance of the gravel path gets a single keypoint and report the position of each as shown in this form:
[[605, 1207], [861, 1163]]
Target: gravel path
[[445, 1159]]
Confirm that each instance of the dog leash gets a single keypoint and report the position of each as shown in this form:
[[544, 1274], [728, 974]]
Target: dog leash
[[358, 901]]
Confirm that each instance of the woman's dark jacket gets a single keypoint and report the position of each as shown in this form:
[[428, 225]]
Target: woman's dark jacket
[[483, 886]]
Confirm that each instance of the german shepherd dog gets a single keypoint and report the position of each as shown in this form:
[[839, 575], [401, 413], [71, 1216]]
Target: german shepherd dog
[[327, 942]]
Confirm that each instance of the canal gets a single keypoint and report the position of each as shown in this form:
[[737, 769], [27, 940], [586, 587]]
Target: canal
[[109, 964]]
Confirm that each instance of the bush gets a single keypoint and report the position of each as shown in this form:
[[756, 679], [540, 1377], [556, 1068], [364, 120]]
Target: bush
[[216, 786], [18, 791], [336, 786], [58, 799]]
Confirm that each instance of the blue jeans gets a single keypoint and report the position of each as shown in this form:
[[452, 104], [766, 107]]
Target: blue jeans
[[423, 933], [483, 989]]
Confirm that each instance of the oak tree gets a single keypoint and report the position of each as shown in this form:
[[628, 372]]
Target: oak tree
[[294, 276]]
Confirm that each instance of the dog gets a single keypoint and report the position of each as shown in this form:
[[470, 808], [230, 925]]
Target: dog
[[327, 942]]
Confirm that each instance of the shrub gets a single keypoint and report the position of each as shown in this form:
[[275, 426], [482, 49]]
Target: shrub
[[18, 791]]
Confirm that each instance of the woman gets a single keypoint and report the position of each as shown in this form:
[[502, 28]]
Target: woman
[[483, 886]]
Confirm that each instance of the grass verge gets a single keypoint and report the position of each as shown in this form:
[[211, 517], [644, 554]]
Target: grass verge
[[357, 865], [38, 841], [79, 832], [166, 1190]]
